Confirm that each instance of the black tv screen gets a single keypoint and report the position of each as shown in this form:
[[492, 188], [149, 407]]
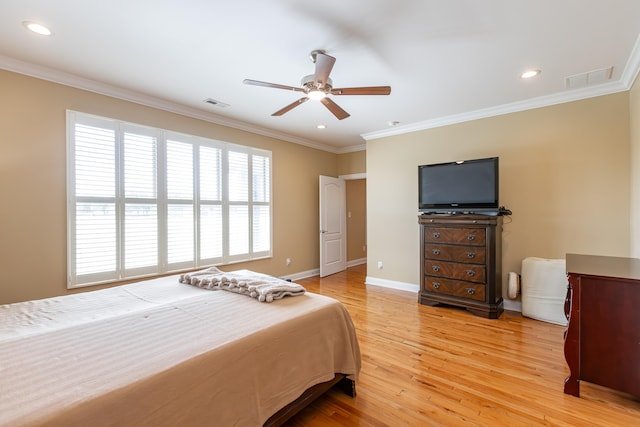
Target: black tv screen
[[469, 186]]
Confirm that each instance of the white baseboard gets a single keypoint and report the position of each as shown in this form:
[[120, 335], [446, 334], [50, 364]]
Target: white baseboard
[[302, 274], [316, 271], [392, 284], [355, 262], [512, 305]]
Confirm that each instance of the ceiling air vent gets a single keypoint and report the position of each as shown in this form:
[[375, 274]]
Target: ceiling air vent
[[216, 103], [589, 78]]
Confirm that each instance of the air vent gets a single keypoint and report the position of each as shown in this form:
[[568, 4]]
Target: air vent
[[216, 103], [589, 78]]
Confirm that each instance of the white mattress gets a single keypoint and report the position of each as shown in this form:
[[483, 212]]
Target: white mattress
[[544, 288], [39, 316], [163, 353]]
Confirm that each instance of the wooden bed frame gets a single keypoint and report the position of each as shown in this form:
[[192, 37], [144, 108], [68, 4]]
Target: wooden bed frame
[[340, 381]]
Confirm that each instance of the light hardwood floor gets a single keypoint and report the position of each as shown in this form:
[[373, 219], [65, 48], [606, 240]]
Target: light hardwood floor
[[443, 366]]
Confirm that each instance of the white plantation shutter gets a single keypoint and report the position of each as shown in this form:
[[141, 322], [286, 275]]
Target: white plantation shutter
[[261, 176], [140, 236], [261, 228], [238, 203], [140, 219], [179, 171], [211, 235], [140, 166], [180, 199], [93, 245], [238, 177], [144, 201], [180, 234], [94, 161]]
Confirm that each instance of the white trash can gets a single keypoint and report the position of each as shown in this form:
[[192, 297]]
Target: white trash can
[[544, 289]]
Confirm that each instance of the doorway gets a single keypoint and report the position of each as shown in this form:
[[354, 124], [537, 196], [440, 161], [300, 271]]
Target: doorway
[[343, 225]]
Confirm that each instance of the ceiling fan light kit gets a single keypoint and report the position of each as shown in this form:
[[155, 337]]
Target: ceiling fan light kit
[[316, 95], [318, 86]]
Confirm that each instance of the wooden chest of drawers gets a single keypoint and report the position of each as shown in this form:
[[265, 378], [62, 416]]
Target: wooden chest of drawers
[[461, 262], [602, 340]]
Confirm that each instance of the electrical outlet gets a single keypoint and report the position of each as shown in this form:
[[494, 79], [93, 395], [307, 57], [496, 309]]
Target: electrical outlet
[[379, 265], [288, 262]]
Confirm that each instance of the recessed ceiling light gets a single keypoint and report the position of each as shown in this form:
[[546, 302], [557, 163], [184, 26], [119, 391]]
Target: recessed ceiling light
[[393, 123], [37, 28], [529, 74], [321, 126]]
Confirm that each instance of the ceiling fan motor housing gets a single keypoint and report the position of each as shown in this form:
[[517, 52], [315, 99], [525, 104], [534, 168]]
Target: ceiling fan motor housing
[[309, 83]]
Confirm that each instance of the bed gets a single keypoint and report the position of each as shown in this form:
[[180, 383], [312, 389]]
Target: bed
[[159, 352]]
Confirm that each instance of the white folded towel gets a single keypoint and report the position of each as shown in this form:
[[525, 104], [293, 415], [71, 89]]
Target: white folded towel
[[195, 277], [273, 290], [262, 287]]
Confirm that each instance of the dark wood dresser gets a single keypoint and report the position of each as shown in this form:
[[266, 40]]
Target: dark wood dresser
[[461, 262], [602, 340]]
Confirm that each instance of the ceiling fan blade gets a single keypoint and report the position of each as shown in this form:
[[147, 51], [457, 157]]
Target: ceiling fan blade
[[290, 106], [324, 65], [368, 90], [273, 85], [335, 108]]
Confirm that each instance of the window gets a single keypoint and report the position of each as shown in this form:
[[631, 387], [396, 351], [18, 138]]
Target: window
[[145, 201]]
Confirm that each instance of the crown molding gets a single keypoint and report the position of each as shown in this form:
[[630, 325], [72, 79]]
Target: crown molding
[[632, 68], [350, 149], [625, 83], [71, 80], [514, 107]]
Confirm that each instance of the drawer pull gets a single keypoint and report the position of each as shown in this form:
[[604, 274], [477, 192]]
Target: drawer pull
[[436, 234], [471, 254], [471, 291], [471, 273], [435, 268], [471, 236], [436, 285], [436, 251]]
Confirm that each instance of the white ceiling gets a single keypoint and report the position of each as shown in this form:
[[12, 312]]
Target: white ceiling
[[446, 61]]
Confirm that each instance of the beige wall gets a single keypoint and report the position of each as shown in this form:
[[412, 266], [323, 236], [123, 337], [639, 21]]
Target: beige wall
[[634, 113], [352, 163], [356, 219], [33, 180], [564, 172]]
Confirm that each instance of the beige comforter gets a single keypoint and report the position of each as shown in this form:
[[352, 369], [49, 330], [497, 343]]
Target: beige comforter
[[162, 353]]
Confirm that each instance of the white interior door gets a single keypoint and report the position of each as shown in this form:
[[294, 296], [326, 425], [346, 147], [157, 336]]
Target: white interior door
[[333, 225]]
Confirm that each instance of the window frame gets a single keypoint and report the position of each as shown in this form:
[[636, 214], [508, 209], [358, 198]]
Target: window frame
[[162, 202]]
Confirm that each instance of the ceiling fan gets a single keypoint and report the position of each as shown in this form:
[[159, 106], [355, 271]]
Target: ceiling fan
[[317, 86]]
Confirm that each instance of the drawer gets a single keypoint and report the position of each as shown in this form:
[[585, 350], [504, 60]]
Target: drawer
[[452, 287], [465, 236], [466, 254], [453, 270]]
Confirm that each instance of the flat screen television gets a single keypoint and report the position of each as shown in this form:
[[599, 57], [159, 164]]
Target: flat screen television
[[469, 186]]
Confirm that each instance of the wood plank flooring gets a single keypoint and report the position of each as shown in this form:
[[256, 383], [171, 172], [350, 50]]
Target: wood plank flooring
[[442, 366]]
